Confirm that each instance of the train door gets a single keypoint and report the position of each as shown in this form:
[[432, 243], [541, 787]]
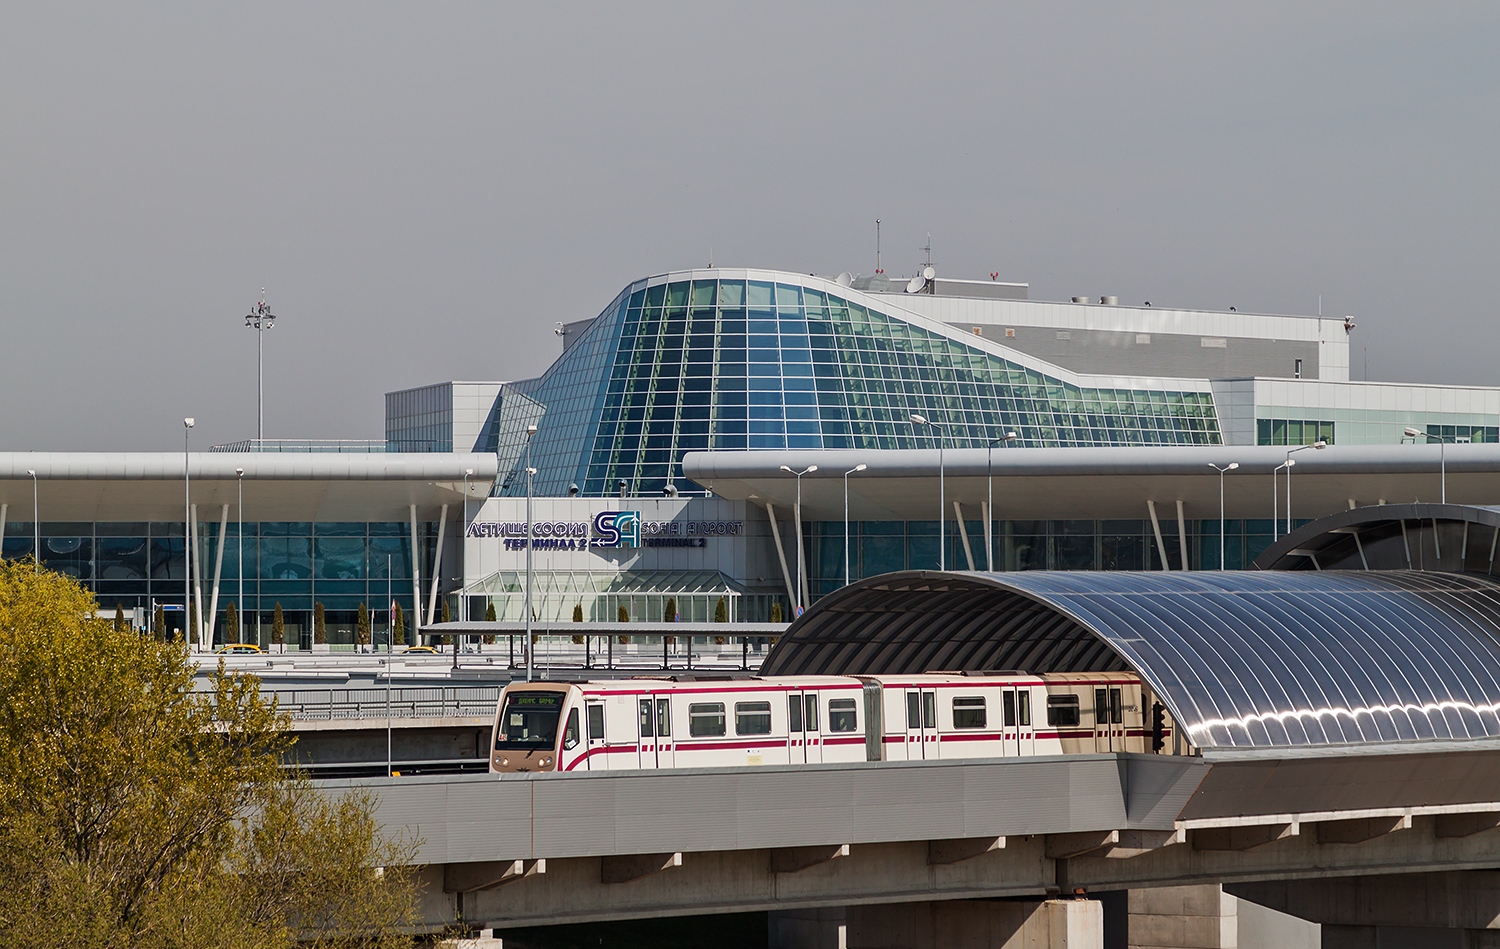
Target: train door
[[812, 736], [655, 716], [593, 716], [1109, 719], [797, 734], [1015, 712], [921, 724]]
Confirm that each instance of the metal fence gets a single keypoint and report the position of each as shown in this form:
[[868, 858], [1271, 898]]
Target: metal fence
[[440, 702]]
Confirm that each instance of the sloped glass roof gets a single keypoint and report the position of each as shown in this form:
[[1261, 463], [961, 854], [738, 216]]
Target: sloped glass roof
[[1242, 659]]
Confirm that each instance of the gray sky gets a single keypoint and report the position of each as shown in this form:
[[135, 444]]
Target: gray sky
[[425, 189]]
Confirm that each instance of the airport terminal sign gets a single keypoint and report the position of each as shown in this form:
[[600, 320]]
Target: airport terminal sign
[[608, 529]]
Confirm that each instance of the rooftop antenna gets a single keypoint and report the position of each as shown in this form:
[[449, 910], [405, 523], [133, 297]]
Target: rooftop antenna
[[928, 248], [878, 268], [710, 258]]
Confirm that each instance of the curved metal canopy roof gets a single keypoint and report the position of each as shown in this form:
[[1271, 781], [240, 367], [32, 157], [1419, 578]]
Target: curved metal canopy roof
[[1242, 659], [1452, 538]]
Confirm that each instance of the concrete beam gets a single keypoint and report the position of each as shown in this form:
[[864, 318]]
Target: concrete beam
[[1465, 825], [796, 859], [469, 877], [1067, 846], [1360, 829], [1451, 900], [1134, 843], [1243, 837], [962, 848], [627, 867]]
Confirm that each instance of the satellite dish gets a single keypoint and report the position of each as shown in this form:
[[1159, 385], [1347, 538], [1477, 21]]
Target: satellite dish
[[845, 279], [928, 273], [915, 285]]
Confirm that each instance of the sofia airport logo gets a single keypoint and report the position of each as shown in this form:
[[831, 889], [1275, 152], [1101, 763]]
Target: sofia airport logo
[[617, 529]]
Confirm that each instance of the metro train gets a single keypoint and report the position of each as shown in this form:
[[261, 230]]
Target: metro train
[[658, 723]]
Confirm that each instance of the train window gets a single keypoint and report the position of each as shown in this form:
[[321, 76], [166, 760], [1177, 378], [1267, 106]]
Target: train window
[[1023, 705], [570, 733], [913, 710], [529, 720], [1101, 707], [794, 713], [812, 713], [596, 722], [706, 719], [663, 718], [1116, 708], [1008, 708], [1063, 710], [752, 718], [969, 711], [929, 709], [646, 719], [842, 716]]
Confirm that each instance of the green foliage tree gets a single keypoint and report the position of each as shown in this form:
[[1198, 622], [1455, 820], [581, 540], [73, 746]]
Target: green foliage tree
[[578, 612], [137, 812], [159, 623], [362, 626], [320, 623], [447, 617], [119, 623], [489, 612], [669, 615], [776, 612], [278, 625], [231, 623], [398, 627], [721, 611], [623, 615]]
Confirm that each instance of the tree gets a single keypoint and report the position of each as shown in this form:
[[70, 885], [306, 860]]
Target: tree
[[119, 623], [231, 623], [278, 625], [159, 623], [776, 612], [320, 623], [489, 612], [623, 615], [362, 627], [669, 615], [398, 627], [721, 611], [138, 812], [447, 617], [578, 612]]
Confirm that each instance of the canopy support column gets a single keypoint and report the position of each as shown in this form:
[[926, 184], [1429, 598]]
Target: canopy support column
[[437, 567], [963, 535], [213, 603], [781, 553], [1161, 547], [1182, 535]]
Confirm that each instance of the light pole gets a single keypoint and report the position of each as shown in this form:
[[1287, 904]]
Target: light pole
[[989, 496], [262, 319], [1319, 445], [239, 474], [942, 492], [530, 431], [463, 612], [1229, 467], [1442, 455], [1275, 498], [797, 511], [856, 468], [187, 528], [36, 527]]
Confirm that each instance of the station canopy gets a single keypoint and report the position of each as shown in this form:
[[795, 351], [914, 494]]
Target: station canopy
[[1241, 659]]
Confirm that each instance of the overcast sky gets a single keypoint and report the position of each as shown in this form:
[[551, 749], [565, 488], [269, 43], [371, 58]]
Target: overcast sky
[[425, 189]]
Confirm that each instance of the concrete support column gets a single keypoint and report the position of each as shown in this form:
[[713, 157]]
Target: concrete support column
[[821, 928], [994, 924], [1183, 917]]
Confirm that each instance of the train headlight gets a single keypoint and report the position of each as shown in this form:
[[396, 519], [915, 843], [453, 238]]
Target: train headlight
[[504, 761]]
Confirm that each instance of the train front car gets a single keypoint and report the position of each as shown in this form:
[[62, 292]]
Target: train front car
[[536, 727]]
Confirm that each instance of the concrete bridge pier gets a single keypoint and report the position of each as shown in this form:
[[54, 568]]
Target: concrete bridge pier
[[991, 924]]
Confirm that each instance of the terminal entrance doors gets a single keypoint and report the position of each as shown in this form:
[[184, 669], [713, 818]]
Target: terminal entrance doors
[[803, 739], [921, 724], [1109, 719], [655, 715], [1015, 711]]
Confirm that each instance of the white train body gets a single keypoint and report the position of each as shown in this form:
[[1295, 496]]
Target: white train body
[[635, 724]]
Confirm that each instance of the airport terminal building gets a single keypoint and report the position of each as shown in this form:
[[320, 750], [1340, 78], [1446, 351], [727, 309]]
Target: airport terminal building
[[1054, 435]]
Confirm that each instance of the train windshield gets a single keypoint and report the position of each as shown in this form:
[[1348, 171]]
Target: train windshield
[[530, 720]]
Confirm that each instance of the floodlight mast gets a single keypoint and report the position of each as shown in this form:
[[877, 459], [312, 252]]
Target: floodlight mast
[[262, 319]]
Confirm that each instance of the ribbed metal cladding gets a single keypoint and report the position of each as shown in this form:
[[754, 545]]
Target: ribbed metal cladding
[[1448, 538], [1242, 659]]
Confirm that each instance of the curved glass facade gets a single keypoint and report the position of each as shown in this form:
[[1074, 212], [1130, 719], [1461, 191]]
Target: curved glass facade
[[708, 362]]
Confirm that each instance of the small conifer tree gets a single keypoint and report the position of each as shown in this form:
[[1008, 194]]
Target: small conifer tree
[[159, 623], [623, 615], [776, 612], [669, 615], [231, 624], [362, 627], [320, 623], [119, 618], [447, 616], [489, 612], [578, 612], [721, 611], [398, 627], [278, 625]]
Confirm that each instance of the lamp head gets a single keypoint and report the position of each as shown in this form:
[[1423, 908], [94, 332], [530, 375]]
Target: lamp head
[[1413, 433], [810, 469], [468, 471], [919, 419], [31, 471], [188, 423], [861, 466], [787, 469], [1320, 444], [1233, 465], [1290, 462], [239, 472], [530, 430], [1010, 436]]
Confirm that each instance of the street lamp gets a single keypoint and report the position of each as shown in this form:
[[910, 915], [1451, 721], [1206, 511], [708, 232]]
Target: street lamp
[[942, 492], [1275, 498], [1320, 444], [239, 474], [797, 517], [530, 471], [262, 319], [187, 528], [1229, 467], [463, 612], [36, 527], [855, 469], [1442, 452], [989, 492]]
